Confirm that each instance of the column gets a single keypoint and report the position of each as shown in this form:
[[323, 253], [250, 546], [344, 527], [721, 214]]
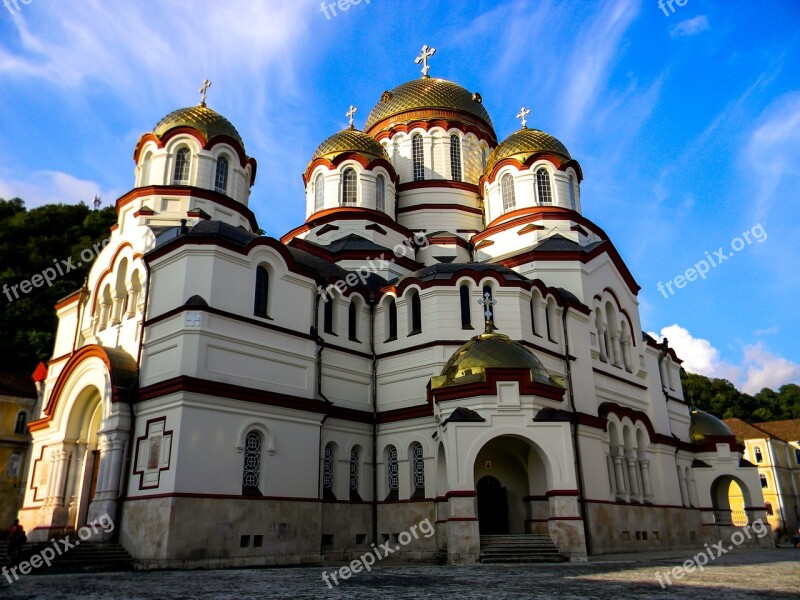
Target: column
[[626, 355], [682, 484], [646, 484], [131, 303], [103, 318], [621, 488], [116, 309], [601, 334], [617, 350], [632, 476], [111, 445]]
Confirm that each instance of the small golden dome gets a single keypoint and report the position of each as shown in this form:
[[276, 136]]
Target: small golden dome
[[702, 425], [208, 122], [428, 93], [524, 143], [489, 350], [350, 140]]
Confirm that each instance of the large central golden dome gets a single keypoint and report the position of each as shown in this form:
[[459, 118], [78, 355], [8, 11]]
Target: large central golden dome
[[525, 143], [428, 93], [208, 122], [489, 350]]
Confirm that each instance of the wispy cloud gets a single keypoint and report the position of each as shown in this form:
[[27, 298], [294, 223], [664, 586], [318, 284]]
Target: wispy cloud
[[690, 26], [46, 187]]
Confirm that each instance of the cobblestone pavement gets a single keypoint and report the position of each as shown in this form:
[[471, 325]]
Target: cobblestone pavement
[[748, 574]]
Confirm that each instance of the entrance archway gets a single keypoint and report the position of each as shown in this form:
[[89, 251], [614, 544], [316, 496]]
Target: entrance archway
[[83, 455], [492, 506], [730, 497], [509, 471]]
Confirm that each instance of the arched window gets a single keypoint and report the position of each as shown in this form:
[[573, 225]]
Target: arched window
[[415, 319], [768, 506], [764, 482], [328, 317], [352, 322], [534, 314], [391, 320], [354, 495], [380, 193], [757, 454], [797, 455], [543, 186], [181, 167], [455, 157], [221, 177], [262, 292], [319, 192], [418, 157], [328, 473], [251, 472], [572, 192], [392, 470], [550, 320], [507, 187], [349, 187], [466, 317], [417, 472], [484, 157], [145, 177], [22, 420]]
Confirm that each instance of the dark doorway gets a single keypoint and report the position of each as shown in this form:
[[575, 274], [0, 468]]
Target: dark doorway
[[492, 507]]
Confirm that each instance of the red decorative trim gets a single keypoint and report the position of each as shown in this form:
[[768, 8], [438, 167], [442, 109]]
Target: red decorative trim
[[346, 213], [565, 519], [112, 263], [440, 499], [35, 488], [427, 119], [327, 228], [459, 519], [580, 230], [618, 378], [439, 207], [530, 227], [484, 244], [524, 216], [187, 190], [58, 359], [671, 351], [534, 499], [527, 387], [198, 213], [444, 240], [406, 414], [554, 493], [64, 302], [374, 227], [368, 165], [613, 294], [439, 183], [323, 253], [461, 494], [558, 161], [145, 211]]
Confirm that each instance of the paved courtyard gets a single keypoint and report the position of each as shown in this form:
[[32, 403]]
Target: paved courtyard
[[747, 574]]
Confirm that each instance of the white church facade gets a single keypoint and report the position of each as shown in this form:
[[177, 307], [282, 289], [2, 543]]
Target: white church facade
[[445, 337]]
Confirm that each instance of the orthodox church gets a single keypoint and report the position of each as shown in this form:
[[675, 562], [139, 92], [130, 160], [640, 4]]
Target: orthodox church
[[446, 337]]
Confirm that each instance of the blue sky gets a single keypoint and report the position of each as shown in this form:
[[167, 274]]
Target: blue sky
[[687, 125]]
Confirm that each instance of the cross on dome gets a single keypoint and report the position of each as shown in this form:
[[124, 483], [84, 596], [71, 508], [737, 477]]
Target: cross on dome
[[488, 302], [350, 114], [523, 114], [427, 52], [203, 91]]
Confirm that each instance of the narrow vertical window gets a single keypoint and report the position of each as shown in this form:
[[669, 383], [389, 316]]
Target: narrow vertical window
[[328, 324], [392, 470], [466, 317], [328, 474], [418, 157], [349, 187], [354, 495], [455, 157], [534, 311], [416, 313], [507, 187], [352, 322], [319, 192], [145, 177], [392, 320], [572, 192], [543, 186], [181, 167], [14, 464], [757, 453], [380, 193], [221, 178], [22, 420], [417, 472], [262, 292], [251, 473], [764, 482]]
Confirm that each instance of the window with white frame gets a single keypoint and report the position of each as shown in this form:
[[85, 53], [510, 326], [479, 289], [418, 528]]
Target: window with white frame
[[418, 157], [543, 188], [221, 176], [319, 192], [572, 192], [507, 188], [380, 193], [182, 162], [349, 187], [455, 157]]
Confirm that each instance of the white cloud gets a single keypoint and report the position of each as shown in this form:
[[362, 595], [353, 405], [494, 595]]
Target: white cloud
[[690, 26], [51, 187], [759, 368], [766, 331]]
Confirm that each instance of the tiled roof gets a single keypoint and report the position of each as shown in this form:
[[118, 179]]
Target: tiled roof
[[788, 430], [18, 386]]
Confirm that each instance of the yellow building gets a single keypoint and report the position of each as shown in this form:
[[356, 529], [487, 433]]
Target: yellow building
[[18, 398], [774, 447]]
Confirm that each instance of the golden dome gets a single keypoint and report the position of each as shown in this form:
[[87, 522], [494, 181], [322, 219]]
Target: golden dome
[[350, 140], [489, 350], [702, 425], [428, 93], [524, 143], [208, 122]]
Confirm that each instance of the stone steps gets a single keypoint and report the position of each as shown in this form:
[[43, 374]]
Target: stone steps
[[84, 557], [519, 548]]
